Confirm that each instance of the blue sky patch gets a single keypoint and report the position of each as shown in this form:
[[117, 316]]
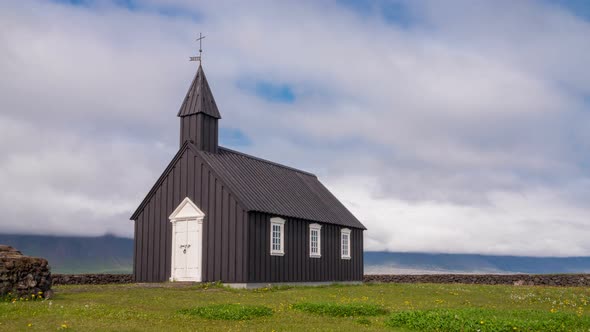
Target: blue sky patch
[[129, 4], [393, 12], [232, 137], [580, 8], [75, 2], [135, 5], [269, 91]]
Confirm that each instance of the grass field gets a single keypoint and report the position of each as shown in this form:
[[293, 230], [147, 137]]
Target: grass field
[[378, 307]]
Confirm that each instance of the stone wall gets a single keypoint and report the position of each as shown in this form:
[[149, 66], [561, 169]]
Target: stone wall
[[23, 276], [482, 279], [487, 279], [92, 279]]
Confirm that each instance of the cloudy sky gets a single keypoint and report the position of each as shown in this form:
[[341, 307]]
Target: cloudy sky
[[444, 126]]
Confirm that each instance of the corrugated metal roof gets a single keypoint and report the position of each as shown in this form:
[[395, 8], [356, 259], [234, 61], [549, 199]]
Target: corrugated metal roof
[[273, 188], [199, 98]]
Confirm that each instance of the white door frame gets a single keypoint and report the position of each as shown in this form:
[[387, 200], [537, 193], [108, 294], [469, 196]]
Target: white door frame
[[187, 211]]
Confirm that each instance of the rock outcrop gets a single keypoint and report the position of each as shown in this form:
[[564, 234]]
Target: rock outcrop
[[23, 276]]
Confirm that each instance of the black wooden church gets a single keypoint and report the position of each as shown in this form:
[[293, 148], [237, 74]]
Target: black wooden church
[[220, 215]]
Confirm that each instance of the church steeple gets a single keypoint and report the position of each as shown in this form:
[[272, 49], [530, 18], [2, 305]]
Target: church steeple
[[199, 114]]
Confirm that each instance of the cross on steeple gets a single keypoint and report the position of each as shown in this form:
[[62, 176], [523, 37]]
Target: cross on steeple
[[200, 56]]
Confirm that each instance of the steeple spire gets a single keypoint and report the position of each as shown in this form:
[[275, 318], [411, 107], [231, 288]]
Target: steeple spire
[[199, 114], [199, 98]]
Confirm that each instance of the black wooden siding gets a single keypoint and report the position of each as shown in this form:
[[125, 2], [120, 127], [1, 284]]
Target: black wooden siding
[[201, 129], [296, 265], [224, 227]]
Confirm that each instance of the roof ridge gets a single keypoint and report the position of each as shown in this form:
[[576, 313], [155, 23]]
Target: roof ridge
[[267, 161]]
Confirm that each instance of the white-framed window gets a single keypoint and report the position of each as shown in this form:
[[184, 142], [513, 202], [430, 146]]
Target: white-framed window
[[277, 236], [315, 240], [345, 243]]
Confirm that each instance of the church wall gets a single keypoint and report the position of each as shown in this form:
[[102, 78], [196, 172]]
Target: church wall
[[296, 265], [224, 227]]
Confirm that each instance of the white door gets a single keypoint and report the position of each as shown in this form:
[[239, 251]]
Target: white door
[[187, 242], [187, 250]]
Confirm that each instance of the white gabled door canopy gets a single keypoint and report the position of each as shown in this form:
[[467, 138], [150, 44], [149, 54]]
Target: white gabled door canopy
[[186, 210]]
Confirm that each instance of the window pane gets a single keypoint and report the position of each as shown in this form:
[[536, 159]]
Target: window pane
[[313, 242], [345, 245], [276, 237], [314, 235]]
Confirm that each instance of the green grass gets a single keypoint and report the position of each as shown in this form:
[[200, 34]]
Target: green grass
[[411, 307], [228, 311], [341, 310], [486, 320]]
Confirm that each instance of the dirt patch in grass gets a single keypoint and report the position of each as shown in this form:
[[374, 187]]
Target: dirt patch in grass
[[341, 310], [486, 320], [229, 311]]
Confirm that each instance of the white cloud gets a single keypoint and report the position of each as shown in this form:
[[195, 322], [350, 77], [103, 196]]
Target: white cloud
[[532, 222], [456, 133]]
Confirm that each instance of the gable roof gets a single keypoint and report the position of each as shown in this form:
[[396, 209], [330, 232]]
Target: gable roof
[[199, 98], [269, 187]]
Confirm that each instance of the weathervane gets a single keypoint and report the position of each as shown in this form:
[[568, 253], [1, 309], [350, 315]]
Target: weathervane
[[198, 58]]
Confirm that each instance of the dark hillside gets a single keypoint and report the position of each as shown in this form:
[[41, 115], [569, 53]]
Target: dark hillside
[[110, 254], [417, 263], [105, 254]]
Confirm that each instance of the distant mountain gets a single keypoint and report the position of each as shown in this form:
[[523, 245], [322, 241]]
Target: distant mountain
[[105, 254], [110, 254], [420, 263]]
